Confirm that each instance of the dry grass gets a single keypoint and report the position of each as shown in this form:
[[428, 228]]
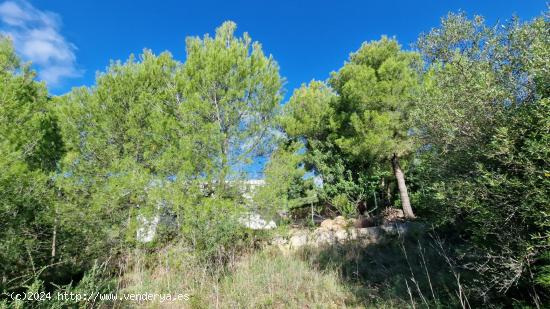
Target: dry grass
[[269, 279], [262, 279], [394, 275], [173, 270]]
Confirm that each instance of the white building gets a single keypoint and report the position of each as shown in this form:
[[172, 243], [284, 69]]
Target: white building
[[147, 227]]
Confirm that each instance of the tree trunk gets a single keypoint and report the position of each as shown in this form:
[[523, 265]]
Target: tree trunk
[[225, 164], [405, 202], [54, 238], [54, 234], [385, 192]]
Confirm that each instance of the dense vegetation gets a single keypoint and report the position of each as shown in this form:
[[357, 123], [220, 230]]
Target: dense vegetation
[[455, 132]]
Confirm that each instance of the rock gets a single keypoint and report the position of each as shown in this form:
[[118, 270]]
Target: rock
[[255, 222], [362, 232], [328, 225], [352, 234], [394, 229], [392, 215], [324, 237], [338, 223], [298, 240], [341, 236], [283, 214], [374, 233], [279, 241], [270, 225], [330, 234], [341, 221]]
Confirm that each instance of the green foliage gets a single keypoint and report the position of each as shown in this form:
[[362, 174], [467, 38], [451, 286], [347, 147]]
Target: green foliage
[[236, 90], [284, 181], [343, 205], [543, 270], [463, 89], [132, 120], [352, 128], [8, 59], [124, 138], [155, 134], [484, 119], [34, 139], [81, 295], [29, 148], [309, 112], [376, 89], [156, 139], [211, 227]]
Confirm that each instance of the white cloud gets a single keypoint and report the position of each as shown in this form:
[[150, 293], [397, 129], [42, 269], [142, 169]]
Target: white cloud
[[36, 37]]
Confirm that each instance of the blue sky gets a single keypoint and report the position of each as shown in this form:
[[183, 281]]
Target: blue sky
[[69, 41]]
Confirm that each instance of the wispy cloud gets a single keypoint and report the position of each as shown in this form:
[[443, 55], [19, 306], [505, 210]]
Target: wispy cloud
[[36, 37]]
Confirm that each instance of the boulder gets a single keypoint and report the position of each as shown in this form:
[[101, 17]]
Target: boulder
[[279, 241], [324, 237], [341, 235], [341, 221], [401, 228], [331, 233], [298, 240], [255, 222], [338, 223], [352, 234], [373, 234], [328, 225], [392, 215]]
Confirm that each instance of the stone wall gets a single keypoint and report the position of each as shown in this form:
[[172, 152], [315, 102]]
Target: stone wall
[[338, 233]]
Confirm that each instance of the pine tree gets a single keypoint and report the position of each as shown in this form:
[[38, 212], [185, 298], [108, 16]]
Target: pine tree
[[363, 117], [234, 87]]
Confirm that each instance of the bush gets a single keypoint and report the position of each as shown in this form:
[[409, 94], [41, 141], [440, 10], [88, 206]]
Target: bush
[[344, 206], [94, 282], [210, 226]]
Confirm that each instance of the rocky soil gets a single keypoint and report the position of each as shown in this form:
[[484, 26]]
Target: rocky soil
[[340, 230]]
